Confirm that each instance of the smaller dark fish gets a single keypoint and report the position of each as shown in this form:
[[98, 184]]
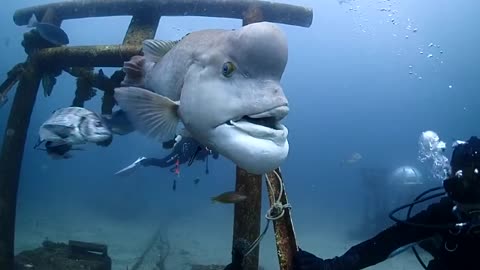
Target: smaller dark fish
[[49, 32], [229, 197], [119, 123], [196, 181], [174, 184]]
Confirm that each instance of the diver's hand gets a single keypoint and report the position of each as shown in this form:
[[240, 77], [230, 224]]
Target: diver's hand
[[307, 261]]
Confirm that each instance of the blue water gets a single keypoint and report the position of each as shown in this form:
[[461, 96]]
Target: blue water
[[349, 88]]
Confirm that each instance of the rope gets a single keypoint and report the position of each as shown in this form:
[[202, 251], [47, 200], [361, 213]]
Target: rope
[[275, 212]]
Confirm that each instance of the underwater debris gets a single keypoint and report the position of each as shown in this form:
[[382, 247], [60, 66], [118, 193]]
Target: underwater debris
[[13, 76], [87, 80], [49, 80], [158, 247], [61, 256], [84, 92], [49, 32]]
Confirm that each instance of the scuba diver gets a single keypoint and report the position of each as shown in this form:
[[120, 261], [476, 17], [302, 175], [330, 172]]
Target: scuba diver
[[455, 220], [186, 150]]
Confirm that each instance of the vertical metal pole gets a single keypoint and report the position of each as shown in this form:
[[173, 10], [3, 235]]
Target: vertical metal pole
[[284, 231], [247, 216], [142, 26], [11, 159]]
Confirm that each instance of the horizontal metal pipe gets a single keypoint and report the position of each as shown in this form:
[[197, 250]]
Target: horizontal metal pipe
[[87, 56], [270, 11]]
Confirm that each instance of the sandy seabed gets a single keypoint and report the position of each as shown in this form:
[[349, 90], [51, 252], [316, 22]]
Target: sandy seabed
[[205, 239]]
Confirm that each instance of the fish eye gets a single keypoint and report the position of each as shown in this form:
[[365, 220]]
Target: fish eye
[[228, 69]]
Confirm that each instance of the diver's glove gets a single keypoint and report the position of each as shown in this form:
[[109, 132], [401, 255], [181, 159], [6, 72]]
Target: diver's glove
[[307, 261]]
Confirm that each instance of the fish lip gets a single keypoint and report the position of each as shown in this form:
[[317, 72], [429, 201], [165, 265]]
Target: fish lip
[[278, 133], [278, 112]]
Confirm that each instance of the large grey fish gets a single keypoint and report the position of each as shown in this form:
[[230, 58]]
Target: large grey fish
[[74, 125], [49, 32], [223, 86]]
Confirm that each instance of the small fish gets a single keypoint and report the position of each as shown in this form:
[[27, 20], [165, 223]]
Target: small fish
[[196, 181], [118, 123], [354, 158], [174, 187], [229, 197], [74, 125], [49, 32]]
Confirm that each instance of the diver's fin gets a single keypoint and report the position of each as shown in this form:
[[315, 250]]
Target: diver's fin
[[152, 114], [32, 22], [130, 168], [134, 71], [154, 50]]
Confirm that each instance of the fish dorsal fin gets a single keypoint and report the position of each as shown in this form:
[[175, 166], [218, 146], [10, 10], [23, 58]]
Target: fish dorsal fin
[[154, 50], [152, 114]]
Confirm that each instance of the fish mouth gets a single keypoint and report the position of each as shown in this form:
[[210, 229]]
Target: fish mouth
[[265, 125]]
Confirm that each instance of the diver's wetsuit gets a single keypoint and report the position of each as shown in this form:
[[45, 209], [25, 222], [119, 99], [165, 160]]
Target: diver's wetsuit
[[182, 152], [377, 249]]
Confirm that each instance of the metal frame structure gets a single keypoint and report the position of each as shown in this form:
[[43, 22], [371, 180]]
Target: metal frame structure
[[146, 16]]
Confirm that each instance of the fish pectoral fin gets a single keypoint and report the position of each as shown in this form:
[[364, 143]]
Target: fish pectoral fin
[[152, 114], [154, 50], [56, 143]]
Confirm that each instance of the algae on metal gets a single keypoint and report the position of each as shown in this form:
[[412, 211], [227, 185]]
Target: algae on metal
[[284, 231], [11, 157], [273, 11]]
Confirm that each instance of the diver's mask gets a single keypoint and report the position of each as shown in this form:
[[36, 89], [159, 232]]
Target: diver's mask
[[463, 186]]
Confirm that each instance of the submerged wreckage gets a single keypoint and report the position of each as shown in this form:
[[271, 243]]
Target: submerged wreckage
[[47, 60]]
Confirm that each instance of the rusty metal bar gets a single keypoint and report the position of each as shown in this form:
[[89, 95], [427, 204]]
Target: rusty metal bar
[[87, 56], [284, 231], [11, 158], [143, 26], [247, 215], [272, 12]]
